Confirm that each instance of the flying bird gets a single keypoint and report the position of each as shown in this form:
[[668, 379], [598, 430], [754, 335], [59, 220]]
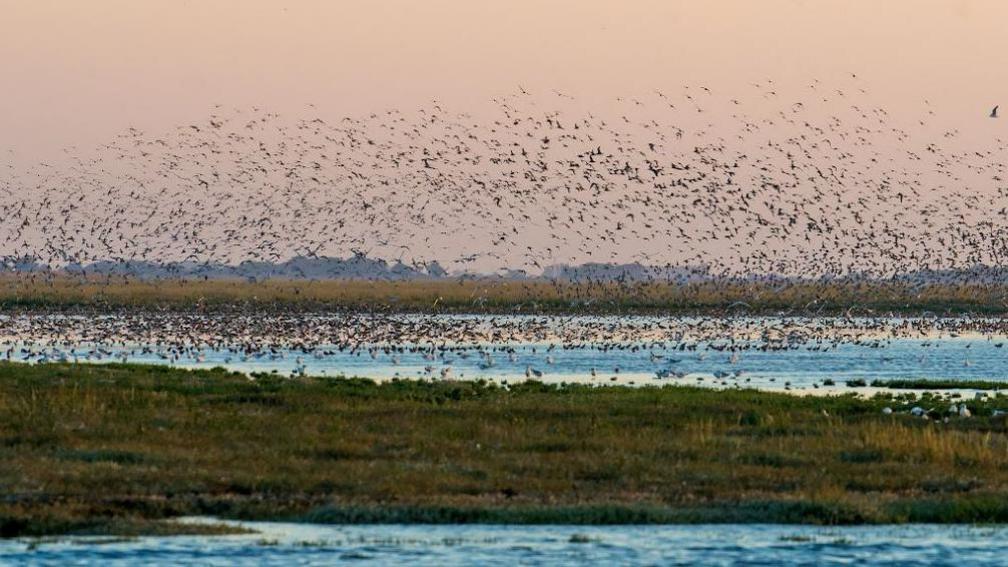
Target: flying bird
[[993, 113]]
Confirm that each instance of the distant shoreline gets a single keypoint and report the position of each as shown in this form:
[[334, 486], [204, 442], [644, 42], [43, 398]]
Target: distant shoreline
[[500, 296]]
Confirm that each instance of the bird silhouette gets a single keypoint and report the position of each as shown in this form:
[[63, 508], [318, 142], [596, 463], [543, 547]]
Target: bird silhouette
[[764, 184]]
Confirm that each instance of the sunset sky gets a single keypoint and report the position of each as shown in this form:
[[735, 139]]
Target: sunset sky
[[77, 73]]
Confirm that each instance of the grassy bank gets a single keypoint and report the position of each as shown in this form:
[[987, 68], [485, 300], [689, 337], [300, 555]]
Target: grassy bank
[[108, 449], [938, 384], [488, 295]]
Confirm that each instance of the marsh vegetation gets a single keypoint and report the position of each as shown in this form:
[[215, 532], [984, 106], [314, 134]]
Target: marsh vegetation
[[493, 295], [104, 449]]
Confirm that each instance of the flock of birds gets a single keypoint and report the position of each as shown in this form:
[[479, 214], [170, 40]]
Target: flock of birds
[[633, 350], [814, 182]]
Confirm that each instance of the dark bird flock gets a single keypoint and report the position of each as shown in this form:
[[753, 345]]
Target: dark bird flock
[[815, 184], [812, 183]]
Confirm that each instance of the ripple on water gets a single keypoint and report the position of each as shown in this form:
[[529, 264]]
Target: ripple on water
[[284, 544]]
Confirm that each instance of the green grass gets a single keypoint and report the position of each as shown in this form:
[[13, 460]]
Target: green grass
[[491, 295], [937, 384], [113, 449]]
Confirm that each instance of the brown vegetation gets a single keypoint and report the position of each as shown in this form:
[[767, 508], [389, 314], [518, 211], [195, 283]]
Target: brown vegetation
[[89, 447]]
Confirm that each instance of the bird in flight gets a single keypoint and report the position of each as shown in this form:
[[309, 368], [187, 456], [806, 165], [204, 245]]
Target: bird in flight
[[993, 113]]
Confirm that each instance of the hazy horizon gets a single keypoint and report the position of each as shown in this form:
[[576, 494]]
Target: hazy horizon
[[781, 136]]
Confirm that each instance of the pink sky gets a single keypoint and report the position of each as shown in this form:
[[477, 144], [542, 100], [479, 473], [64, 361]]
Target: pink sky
[[77, 73]]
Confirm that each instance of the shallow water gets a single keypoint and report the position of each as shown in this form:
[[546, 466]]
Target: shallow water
[[286, 544], [801, 353], [799, 367]]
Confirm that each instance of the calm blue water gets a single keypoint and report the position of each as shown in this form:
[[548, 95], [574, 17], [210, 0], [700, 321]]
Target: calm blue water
[[803, 365], [286, 544]]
